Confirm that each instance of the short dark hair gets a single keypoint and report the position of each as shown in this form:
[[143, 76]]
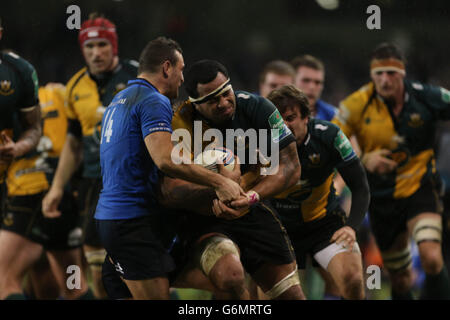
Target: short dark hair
[[279, 67], [288, 96], [202, 71], [309, 61], [156, 52], [387, 50]]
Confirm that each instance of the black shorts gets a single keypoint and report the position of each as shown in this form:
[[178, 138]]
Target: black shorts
[[259, 234], [24, 216], [88, 194], [138, 248], [311, 237], [389, 217]]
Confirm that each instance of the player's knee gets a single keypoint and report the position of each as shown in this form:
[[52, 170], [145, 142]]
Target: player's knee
[[353, 285], [228, 274], [431, 259], [401, 280]]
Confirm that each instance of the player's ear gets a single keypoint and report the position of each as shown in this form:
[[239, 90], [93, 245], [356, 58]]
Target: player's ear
[[166, 66]]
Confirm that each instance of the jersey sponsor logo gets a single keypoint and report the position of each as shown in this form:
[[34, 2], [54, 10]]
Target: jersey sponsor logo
[[5, 88], [415, 120], [343, 146], [279, 128], [445, 94]]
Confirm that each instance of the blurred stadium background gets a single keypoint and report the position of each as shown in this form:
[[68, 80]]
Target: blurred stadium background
[[245, 35]]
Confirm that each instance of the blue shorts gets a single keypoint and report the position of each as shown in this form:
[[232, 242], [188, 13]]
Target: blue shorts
[[138, 248]]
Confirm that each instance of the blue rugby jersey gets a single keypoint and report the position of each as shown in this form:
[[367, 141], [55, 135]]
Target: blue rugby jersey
[[324, 111], [128, 172]]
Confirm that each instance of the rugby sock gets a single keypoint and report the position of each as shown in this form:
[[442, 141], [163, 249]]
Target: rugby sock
[[16, 296], [402, 296], [436, 286]]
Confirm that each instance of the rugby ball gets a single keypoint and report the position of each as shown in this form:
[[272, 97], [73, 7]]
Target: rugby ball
[[209, 158]]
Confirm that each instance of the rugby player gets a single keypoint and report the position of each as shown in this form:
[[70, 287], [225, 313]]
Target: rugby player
[[23, 230], [310, 210], [310, 78], [87, 93], [275, 74], [393, 120], [27, 181], [135, 148], [18, 99], [247, 235]]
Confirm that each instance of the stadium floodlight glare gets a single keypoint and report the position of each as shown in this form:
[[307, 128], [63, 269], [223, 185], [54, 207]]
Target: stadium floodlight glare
[[328, 4]]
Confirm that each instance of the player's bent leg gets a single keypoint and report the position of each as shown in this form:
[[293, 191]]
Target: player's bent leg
[[59, 261], [219, 259], [17, 255], [426, 230], [279, 282], [345, 268], [95, 257], [331, 291], [228, 277], [149, 289], [397, 260]]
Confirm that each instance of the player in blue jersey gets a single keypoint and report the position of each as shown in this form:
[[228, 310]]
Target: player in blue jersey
[[135, 144], [310, 77]]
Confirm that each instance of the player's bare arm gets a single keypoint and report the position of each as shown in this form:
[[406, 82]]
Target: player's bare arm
[[287, 175], [30, 120], [159, 145], [69, 161]]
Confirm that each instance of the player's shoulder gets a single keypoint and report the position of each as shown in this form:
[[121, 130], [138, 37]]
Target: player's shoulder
[[183, 115], [73, 81], [52, 89], [418, 88], [244, 98], [130, 66], [20, 64], [358, 99], [250, 103], [328, 109], [322, 130]]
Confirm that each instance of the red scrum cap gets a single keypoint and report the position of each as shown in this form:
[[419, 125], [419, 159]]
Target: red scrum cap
[[98, 28]]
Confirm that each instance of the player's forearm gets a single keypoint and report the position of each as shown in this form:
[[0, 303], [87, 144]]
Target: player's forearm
[[180, 194], [33, 132], [192, 173], [288, 174], [69, 161], [355, 177]]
